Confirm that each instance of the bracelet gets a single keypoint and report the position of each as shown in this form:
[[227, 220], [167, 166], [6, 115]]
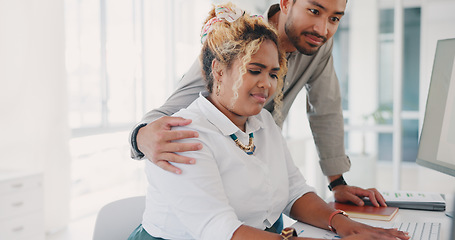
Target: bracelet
[[337, 182], [287, 233], [331, 217]]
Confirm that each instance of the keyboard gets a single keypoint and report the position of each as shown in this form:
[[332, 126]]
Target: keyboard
[[420, 230]]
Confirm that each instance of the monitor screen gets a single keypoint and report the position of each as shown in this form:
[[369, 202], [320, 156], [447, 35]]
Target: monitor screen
[[437, 140]]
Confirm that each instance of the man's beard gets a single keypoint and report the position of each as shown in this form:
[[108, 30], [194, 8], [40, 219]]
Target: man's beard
[[295, 39]]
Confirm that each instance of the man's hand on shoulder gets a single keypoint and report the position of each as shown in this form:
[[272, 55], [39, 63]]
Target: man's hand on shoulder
[[346, 193], [155, 141]]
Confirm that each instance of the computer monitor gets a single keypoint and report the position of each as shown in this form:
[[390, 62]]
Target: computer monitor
[[437, 140]]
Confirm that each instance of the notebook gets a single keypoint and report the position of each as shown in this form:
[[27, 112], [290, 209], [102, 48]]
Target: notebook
[[366, 212]]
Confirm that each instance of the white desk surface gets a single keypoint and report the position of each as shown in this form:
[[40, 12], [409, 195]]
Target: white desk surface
[[403, 215]]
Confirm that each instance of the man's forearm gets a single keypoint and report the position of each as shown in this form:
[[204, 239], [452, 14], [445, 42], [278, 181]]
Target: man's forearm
[[328, 135]]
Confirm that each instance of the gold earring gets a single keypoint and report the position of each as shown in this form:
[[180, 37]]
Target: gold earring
[[218, 88]]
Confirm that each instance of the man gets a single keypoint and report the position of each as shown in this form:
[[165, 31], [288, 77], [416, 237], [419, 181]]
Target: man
[[305, 28]]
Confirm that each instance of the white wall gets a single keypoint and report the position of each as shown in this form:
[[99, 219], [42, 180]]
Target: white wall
[[33, 104], [437, 23]]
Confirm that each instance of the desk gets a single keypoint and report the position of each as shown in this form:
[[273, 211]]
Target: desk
[[403, 215]]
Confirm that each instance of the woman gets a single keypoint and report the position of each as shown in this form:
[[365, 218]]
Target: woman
[[244, 178]]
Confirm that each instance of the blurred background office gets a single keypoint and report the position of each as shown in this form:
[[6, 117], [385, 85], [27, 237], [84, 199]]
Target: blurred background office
[[76, 75]]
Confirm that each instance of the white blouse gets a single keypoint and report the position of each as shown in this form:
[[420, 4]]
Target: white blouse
[[226, 187]]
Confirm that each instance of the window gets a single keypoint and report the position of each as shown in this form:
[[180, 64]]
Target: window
[[369, 142], [103, 64], [104, 69], [123, 59], [382, 116], [410, 97]]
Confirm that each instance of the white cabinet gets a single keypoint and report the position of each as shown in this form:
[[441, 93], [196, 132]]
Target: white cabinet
[[21, 205]]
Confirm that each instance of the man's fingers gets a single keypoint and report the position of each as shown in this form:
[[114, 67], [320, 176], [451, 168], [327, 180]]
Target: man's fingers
[[354, 199], [168, 167], [165, 158], [375, 197], [379, 197], [174, 121], [348, 194], [176, 135], [180, 147], [372, 196], [155, 140], [172, 157], [356, 194]]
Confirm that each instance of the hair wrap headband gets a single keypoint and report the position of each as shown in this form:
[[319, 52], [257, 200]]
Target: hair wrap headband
[[230, 14]]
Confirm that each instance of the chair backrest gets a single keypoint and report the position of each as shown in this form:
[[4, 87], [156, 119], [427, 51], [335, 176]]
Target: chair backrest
[[118, 219]]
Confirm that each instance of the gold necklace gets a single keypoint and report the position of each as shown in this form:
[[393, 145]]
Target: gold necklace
[[247, 149]]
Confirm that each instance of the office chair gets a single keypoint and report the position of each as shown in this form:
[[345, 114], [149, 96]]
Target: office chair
[[118, 219]]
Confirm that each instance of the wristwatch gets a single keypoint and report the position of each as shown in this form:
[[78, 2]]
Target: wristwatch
[[337, 182], [288, 233], [133, 139]]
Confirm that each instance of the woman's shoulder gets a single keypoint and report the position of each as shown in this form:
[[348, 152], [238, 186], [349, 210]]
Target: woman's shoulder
[[190, 112], [199, 121]]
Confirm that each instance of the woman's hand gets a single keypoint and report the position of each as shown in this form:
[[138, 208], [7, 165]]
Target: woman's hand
[[370, 236], [348, 228]]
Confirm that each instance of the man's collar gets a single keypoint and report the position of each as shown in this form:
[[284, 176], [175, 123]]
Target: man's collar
[[272, 11]]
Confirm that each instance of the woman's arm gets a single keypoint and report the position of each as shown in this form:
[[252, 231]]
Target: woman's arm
[[310, 208]]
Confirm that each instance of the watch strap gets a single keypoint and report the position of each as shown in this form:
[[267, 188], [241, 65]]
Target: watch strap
[[337, 182], [134, 139]]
